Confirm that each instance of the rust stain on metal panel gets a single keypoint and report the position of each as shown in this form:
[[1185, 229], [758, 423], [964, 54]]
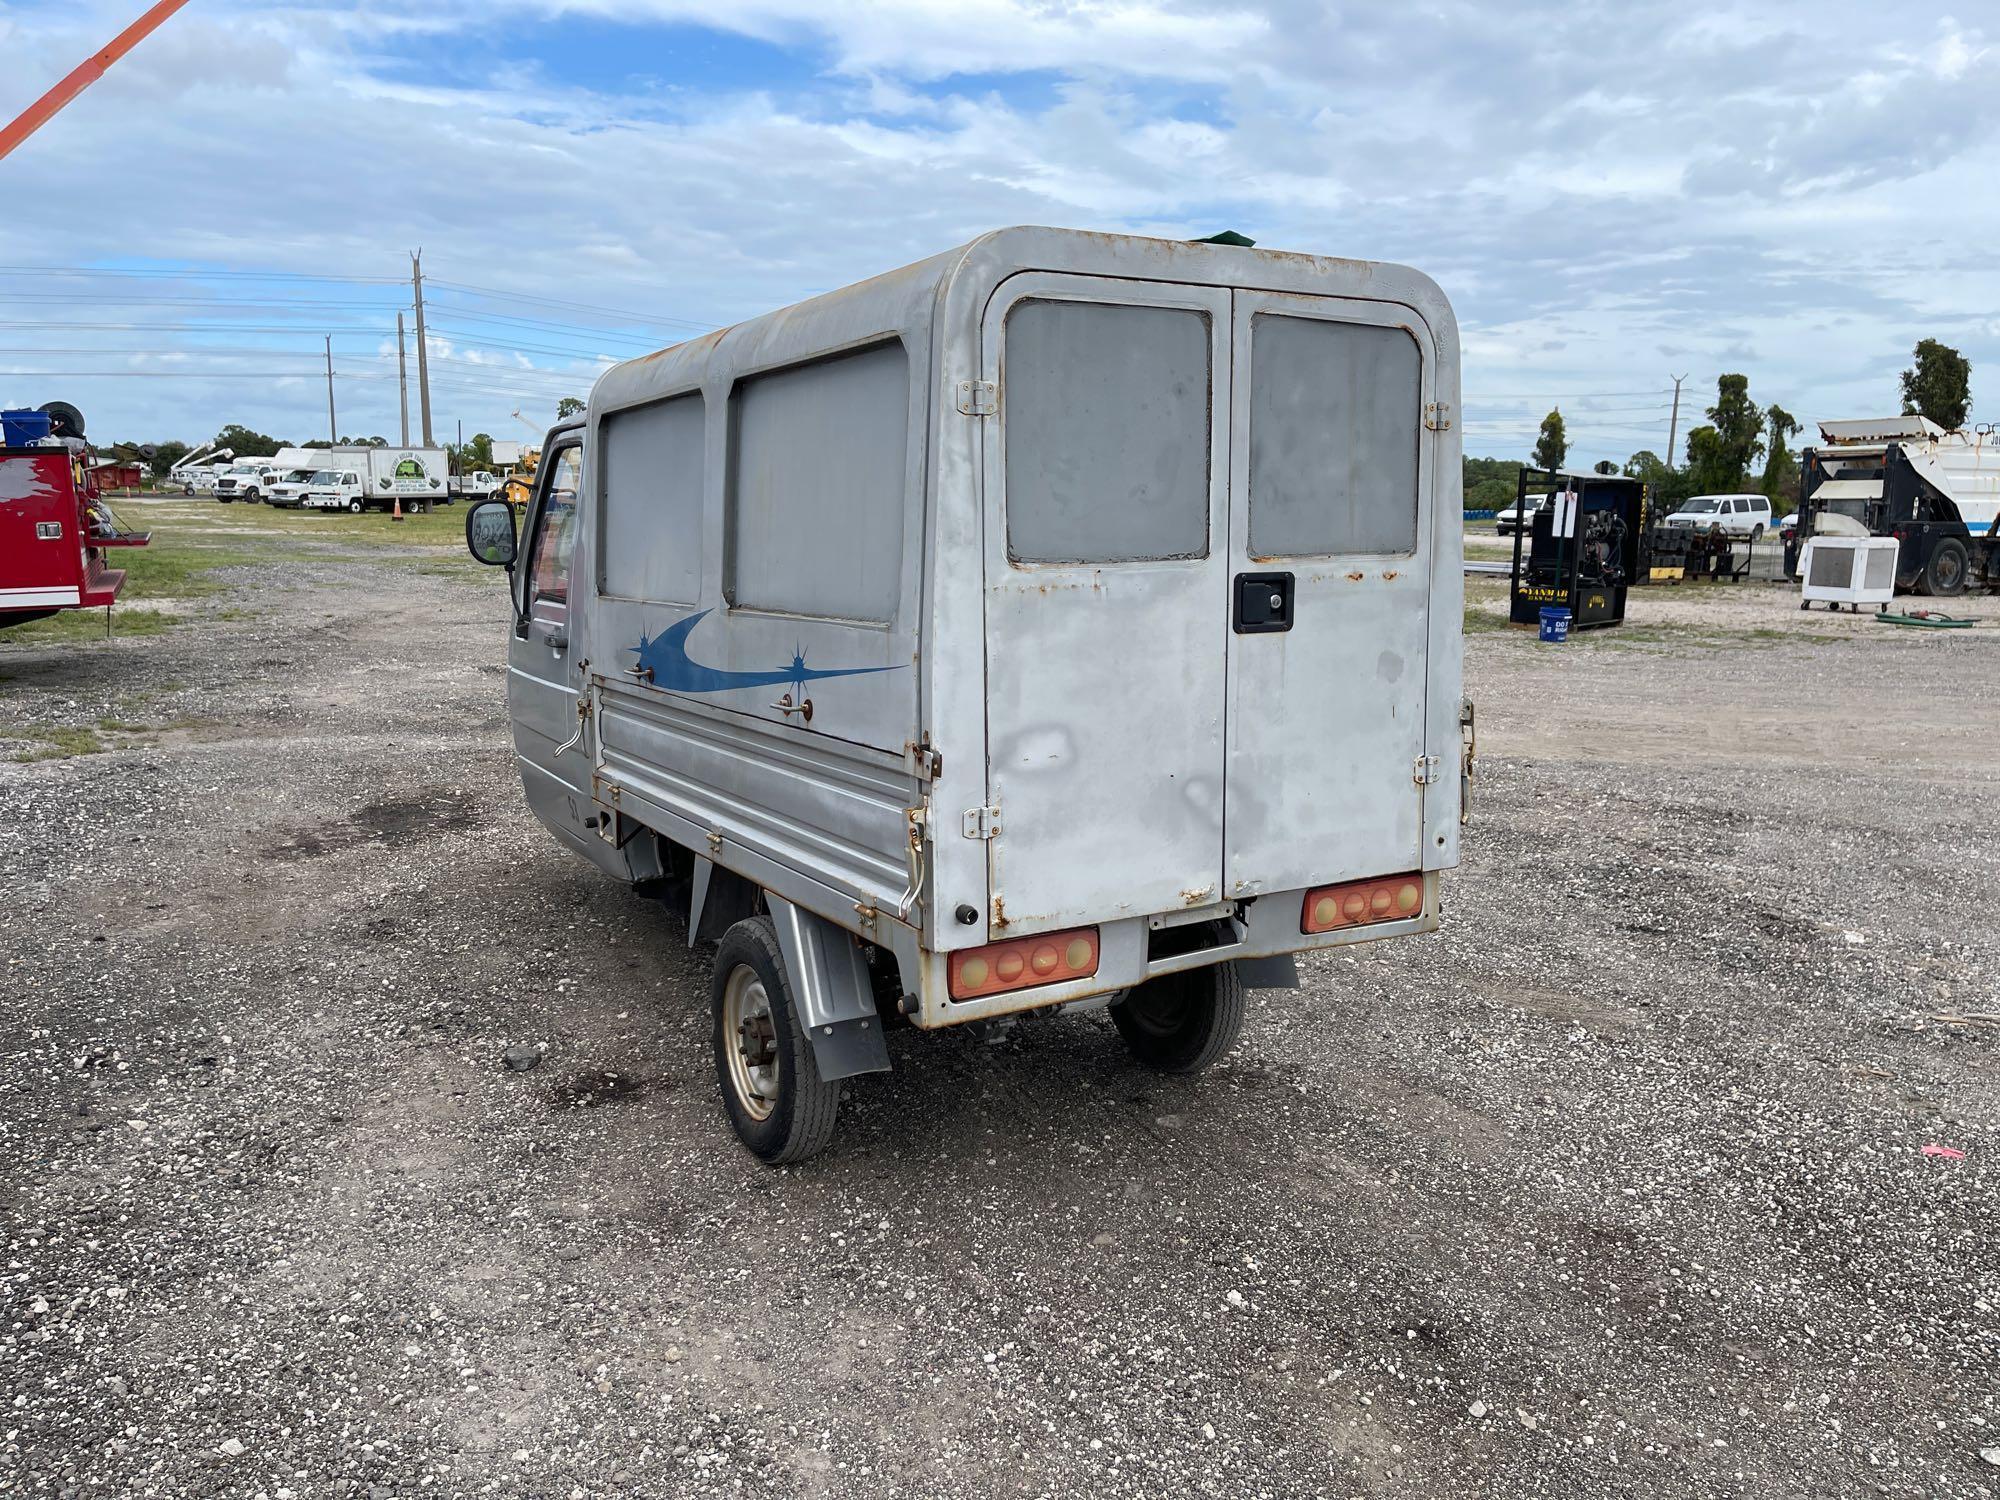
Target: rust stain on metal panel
[[1392, 573], [1199, 897], [999, 910], [1356, 577]]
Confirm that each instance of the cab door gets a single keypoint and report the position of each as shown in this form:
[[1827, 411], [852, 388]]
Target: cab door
[[1331, 477], [543, 680]]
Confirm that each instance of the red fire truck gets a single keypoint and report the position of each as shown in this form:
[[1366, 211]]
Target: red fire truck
[[56, 532]]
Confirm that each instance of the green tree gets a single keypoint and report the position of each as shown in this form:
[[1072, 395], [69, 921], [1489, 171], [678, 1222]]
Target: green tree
[[568, 407], [1781, 470], [1669, 485], [1938, 385], [1551, 447], [1490, 483], [167, 454], [248, 444], [1722, 454], [1604, 466], [474, 455]]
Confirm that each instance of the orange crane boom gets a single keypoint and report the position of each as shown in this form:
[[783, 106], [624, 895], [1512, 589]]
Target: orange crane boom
[[83, 75]]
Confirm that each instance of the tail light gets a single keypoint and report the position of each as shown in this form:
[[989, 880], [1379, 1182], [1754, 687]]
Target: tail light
[[1023, 963], [1357, 903]]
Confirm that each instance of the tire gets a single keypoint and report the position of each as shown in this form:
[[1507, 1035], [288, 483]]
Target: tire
[[1756, 534], [251, 497], [1182, 1023], [779, 1107], [1944, 575], [355, 507]]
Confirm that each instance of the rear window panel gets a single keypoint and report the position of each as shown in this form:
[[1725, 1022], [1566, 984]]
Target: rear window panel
[[1107, 432], [1336, 416]]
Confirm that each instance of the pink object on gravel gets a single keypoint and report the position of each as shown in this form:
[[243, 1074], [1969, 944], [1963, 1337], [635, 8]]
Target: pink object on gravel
[[1949, 1153]]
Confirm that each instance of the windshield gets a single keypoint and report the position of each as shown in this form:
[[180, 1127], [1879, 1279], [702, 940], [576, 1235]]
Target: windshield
[[1705, 505]]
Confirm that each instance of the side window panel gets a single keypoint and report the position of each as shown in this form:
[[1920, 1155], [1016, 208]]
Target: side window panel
[[1336, 413], [1107, 432], [651, 463], [818, 472], [555, 539]]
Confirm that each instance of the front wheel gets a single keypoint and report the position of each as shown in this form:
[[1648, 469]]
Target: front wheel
[[1182, 1023], [354, 507], [778, 1105]]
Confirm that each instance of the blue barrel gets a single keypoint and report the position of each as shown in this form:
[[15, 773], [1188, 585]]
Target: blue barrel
[[1555, 623], [20, 428]]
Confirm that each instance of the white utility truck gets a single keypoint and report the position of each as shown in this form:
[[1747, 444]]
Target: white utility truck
[[1068, 621], [363, 478]]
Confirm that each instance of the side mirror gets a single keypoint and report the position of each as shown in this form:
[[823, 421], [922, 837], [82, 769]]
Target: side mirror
[[489, 533]]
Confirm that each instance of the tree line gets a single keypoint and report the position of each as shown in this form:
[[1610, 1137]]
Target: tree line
[[1742, 448]]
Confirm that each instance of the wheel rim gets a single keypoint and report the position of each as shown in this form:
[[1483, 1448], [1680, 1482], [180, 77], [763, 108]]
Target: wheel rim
[[1949, 568], [751, 1042]]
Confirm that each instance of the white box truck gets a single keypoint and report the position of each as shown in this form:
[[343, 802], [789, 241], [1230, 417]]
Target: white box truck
[[1066, 622], [361, 478]]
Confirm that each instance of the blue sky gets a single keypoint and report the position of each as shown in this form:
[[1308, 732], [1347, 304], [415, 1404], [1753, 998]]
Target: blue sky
[[1611, 195]]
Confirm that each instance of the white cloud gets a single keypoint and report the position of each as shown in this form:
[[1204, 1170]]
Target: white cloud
[[1605, 198]]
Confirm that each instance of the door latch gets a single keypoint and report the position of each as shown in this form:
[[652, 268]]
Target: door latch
[[980, 822]]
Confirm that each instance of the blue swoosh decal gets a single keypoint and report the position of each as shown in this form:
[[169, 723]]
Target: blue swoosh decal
[[673, 669]]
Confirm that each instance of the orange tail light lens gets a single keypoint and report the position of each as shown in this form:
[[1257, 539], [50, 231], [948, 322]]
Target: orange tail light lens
[[1360, 902], [1023, 963]]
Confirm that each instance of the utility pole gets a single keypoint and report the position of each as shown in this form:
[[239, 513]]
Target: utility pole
[[423, 355], [1674, 422], [402, 380], [332, 428]]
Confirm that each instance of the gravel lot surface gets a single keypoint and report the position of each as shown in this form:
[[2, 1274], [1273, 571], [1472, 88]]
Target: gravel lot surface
[[1617, 1186]]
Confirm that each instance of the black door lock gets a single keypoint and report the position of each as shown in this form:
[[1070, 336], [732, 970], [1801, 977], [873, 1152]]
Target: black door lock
[[1263, 603]]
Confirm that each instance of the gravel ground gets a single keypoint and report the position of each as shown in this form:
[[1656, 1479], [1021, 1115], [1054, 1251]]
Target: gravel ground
[[1616, 1186]]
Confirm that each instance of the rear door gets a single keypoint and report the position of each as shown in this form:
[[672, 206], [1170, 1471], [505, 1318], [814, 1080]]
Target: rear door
[[1329, 557], [1107, 559]]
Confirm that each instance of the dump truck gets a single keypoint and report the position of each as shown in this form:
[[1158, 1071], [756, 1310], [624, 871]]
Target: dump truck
[[1065, 622]]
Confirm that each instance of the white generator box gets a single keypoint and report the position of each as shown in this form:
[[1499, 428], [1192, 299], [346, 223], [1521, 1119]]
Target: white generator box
[[1850, 570]]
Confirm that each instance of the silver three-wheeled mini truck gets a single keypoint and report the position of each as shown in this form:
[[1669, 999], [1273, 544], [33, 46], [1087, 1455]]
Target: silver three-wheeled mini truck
[[1065, 621]]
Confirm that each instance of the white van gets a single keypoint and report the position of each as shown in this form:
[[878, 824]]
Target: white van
[[1736, 515], [1069, 621]]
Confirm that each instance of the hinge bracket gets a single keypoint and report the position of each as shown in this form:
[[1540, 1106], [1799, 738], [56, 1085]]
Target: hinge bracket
[[978, 398], [1425, 770], [980, 822], [1437, 416]]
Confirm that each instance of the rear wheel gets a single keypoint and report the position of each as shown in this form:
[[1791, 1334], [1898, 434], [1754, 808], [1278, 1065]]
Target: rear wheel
[[778, 1105], [1182, 1023], [1944, 574]]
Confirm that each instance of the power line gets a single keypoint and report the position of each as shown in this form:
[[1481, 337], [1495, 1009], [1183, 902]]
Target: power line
[[184, 274], [616, 312]]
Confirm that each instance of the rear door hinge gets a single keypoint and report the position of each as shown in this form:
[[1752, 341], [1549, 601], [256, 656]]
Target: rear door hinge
[[980, 822], [978, 398], [1425, 771], [1437, 416]]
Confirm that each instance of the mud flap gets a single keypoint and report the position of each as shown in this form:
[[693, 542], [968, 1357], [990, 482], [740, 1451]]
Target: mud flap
[[1276, 971], [831, 988]]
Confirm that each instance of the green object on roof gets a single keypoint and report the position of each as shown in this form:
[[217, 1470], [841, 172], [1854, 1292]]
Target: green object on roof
[[1227, 237]]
